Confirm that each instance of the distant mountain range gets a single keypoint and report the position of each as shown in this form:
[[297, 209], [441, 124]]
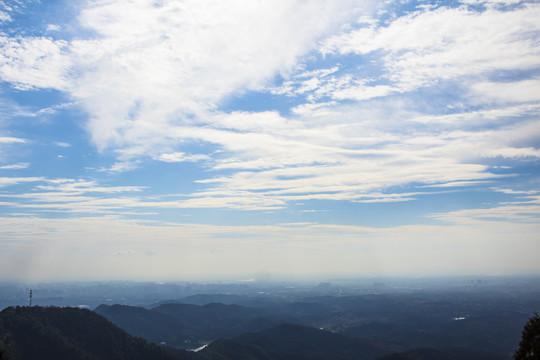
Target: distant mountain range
[[189, 326], [396, 323], [28, 333]]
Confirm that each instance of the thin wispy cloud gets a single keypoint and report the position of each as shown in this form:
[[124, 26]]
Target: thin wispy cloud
[[10, 140], [61, 144], [14, 166], [180, 157]]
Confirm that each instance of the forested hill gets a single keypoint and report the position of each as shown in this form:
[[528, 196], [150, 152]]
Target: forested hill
[[28, 333], [188, 326]]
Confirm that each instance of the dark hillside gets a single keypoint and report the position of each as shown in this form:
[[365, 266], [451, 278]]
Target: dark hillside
[[187, 326], [225, 315], [447, 354], [152, 326], [224, 321], [28, 333], [293, 342], [496, 333], [228, 299]]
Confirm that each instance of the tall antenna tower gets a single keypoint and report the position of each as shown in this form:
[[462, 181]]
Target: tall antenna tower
[[30, 301]]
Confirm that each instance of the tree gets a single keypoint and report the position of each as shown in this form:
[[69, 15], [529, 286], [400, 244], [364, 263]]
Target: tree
[[529, 346]]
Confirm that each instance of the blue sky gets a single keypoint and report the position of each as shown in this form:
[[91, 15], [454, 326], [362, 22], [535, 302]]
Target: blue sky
[[227, 140]]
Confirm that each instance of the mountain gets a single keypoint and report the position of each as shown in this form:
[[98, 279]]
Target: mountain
[[152, 326], [496, 333], [28, 333], [446, 354], [189, 326], [394, 322], [218, 320], [228, 299], [292, 342]]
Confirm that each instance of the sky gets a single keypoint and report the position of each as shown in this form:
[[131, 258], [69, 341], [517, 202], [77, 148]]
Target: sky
[[184, 140]]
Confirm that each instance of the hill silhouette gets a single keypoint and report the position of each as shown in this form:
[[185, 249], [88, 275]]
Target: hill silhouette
[[73, 333], [152, 326], [397, 322], [188, 326], [28, 333], [293, 342], [446, 354], [296, 342]]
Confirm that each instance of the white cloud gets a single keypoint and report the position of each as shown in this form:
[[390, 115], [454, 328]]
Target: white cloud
[[155, 66], [34, 62], [500, 2], [307, 109], [9, 181], [121, 166], [62, 144], [10, 109], [363, 92], [53, 27], [513, 212], [501, 92], [180, 157], [14, 166], [153, 77], [318, 85], [428, 46], [11, 140], [491, 116], [355, 157], [513, 152], [83, 186], [4, 17], [78, 196], [518, 192], [152, 66]]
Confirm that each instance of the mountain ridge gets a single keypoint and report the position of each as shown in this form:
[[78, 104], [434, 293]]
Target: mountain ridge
[[74, 333]]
